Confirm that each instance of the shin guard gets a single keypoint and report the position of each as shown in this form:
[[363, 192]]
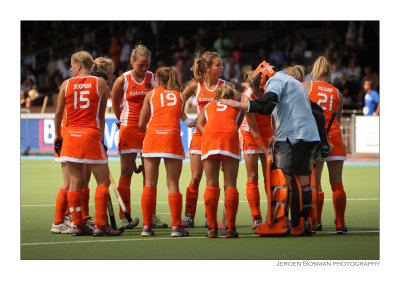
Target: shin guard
[[124, 189], [74, 204], [61, 206], [175, 206], [148, 201], [339, 203], [253, 197], [192, 194], [278, 199], [85, 202], [101, 197], [231, 207], [211, 198]]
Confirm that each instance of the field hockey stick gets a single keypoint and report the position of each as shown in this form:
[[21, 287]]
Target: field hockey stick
[[122, 204], [330, 122], [111, 214]]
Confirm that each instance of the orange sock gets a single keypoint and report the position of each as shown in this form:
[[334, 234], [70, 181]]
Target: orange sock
[[253, 197], [339, 203], [124, 188], [74, 203], [320, 203], [100, 205], [231, 207], [85, 202], [61, 206], [192, 194], [211, 198], [149, 196], [175, 206]]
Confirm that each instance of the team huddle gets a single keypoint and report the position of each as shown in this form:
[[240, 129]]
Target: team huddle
[[292, 127]]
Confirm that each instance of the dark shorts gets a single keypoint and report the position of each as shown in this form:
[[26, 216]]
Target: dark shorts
[[294, 159]]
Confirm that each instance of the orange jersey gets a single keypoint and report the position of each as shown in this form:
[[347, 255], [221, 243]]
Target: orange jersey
[[166, 110], [264, 125], [220, 133], [82, 102], [133, 97], [205, 95], [326, 96]]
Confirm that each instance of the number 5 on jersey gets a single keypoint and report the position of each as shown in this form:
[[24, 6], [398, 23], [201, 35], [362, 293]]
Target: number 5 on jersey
[[221, 107], [81, 99]]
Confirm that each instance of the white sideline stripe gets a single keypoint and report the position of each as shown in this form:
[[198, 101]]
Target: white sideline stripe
[[172, 238], [221, 201]]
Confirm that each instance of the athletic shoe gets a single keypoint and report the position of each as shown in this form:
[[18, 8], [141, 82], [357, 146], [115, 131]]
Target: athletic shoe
[[257, 221], [179, 232], [157, 223], [212, 233], [147, 231], [188, 221], [341, 229], [89, 221], [231, 233], [105, 231], [68, 220], [319, 227], [206, 223], [61, 228], [125, 224], [81, 231]]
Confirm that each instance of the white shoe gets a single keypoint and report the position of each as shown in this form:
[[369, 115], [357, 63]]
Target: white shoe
[[61, 228], [179, 232], [68, 220]]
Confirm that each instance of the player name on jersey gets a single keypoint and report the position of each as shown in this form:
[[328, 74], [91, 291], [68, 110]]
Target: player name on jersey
[[82, 86], [324, 89]]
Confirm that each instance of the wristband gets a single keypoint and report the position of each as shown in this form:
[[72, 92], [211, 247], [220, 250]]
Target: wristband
[[187, 121]]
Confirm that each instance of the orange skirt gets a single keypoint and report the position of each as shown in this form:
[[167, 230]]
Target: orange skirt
[[83, 145], [195, 144], [226, 144], [130, 139], [249, 145], [165, 144], [339, 151]]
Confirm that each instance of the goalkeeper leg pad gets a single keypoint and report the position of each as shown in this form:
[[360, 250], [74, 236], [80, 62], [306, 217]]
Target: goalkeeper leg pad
[[278, 202]]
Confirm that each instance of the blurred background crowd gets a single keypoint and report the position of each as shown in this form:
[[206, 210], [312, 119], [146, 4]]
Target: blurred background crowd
[[351, 48]]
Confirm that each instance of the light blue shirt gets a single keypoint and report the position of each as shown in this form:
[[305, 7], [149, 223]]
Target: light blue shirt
[[293, 116]]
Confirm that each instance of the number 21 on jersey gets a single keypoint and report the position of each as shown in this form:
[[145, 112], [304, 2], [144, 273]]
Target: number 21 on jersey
[[324, 100]]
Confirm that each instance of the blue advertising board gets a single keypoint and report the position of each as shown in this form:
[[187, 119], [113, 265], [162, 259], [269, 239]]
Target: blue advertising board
[[37, 134]]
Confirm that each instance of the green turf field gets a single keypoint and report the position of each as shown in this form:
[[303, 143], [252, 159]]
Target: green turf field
[[41, 180]]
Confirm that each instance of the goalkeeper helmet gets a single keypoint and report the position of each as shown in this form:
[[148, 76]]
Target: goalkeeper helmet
[[263, 72]]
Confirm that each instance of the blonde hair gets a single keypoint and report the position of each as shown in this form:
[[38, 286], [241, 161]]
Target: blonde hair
[[248, 77], [101, 65], [139, 50], [201, 63], [83, 58], [321, 69], [224, 92], [297, 72], [169, 78]]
